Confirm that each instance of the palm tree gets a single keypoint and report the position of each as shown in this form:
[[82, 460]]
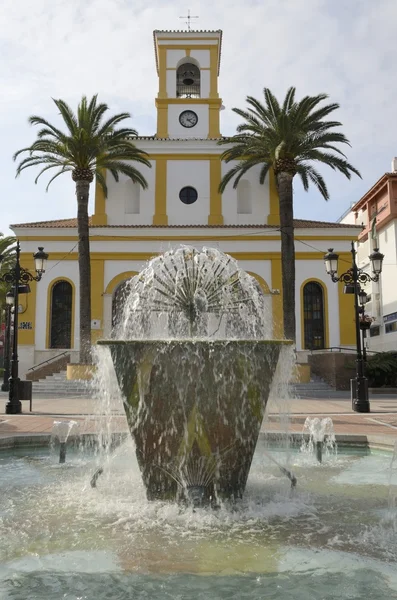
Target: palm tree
[[287, 139], [89, 147]]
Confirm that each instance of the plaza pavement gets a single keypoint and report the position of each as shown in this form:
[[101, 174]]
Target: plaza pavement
[[378, 427]]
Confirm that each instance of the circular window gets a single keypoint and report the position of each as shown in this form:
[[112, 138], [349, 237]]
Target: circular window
[[188, 195]]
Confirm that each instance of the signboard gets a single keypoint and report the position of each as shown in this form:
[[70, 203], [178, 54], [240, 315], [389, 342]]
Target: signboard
[[25, 325]]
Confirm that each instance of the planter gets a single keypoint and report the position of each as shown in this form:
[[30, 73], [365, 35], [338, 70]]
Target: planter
[[79, 371], [364, 325], [194, 409]]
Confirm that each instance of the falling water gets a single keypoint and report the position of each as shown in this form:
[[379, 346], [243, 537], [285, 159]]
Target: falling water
[[194, 360]]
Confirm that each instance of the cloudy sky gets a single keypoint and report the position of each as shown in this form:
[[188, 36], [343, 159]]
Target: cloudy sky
[[66, 48]]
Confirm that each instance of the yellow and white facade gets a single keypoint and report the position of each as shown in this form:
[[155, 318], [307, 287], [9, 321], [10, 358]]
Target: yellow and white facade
[[182, 205]]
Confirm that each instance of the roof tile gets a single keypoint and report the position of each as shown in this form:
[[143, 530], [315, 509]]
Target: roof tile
[[72, 224]]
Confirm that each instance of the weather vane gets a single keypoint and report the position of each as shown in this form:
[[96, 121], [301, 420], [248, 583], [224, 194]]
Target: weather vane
[[188, 19]]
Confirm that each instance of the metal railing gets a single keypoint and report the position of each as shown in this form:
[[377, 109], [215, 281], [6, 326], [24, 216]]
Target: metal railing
[[48, 360]]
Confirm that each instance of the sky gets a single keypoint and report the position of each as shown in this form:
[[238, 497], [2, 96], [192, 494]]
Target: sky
[[67, 48]]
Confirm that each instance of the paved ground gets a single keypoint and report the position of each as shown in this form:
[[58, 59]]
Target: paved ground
[[380, 423]]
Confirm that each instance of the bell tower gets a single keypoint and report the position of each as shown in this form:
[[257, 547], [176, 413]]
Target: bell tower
[[188, 103]]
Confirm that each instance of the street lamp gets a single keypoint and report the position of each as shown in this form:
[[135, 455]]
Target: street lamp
[[19, 278], [354, 277], [7, 340]]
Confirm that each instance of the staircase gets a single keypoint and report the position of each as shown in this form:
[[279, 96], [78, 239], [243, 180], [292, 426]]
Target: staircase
[[57, 386], [316, 388]]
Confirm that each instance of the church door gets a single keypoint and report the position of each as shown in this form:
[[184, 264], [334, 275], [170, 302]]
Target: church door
[[61, 315], [313, 309]]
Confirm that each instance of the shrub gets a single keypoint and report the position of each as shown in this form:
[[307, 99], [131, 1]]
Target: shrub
[[381, 369]]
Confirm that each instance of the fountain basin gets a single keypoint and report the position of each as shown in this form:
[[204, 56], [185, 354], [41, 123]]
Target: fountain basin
[[194, 409]]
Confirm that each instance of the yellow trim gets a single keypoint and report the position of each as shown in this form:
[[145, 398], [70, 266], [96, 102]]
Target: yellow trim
[[275, 255], [165, 101], [26, 337], [213, 123], [215, 37], [162, 122], [273, 217], [193, 47], [162, 57], [97, 286], [325, 309], [115, 282], [49, 311], [160, 198], [215, 217], [214, 51], [347, 324], [261, 281], [180, 156], [100, 217], [277, 300], [152, 238]]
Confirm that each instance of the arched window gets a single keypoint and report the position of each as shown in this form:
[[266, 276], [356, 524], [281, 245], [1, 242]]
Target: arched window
[[313, 316], [61, 315], [244, 199], [188, 81]]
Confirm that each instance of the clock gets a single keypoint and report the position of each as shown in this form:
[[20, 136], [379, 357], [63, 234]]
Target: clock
[[188, 118]]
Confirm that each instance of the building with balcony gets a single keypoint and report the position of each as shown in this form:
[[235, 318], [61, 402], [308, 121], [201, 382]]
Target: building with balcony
[[376, 212]]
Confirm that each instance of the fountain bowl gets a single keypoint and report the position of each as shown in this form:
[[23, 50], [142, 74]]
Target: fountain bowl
[[194, 409]]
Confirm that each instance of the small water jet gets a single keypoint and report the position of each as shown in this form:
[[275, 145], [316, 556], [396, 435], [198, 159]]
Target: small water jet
[[318, 435], [195, 362], [63, 431]]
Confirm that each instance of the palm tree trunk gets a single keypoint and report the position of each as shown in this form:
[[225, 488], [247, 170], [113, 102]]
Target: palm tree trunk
[[285, 192], [82, 193]]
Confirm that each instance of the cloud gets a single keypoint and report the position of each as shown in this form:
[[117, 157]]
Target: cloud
[[64, 48]]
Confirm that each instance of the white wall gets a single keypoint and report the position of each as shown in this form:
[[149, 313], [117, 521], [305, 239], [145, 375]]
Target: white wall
[[194, 173], [119, 200], [259, 195]]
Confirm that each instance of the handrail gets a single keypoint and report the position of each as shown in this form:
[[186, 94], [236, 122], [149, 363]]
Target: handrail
[[48, 360], [340, 349]]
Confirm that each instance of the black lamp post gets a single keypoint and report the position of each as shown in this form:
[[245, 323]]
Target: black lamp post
[[354, 277], [19, 278], [7, 340]]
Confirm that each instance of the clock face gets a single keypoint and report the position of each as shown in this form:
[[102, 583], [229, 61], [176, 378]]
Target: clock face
[[188, 118]]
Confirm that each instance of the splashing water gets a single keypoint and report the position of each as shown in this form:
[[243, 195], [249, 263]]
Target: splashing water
[[187, 293], [62, 431], [318, 435]]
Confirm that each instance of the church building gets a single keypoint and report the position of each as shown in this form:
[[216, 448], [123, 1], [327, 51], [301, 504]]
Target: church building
[[182, 206]]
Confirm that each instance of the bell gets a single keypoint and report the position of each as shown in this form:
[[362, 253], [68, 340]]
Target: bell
[[188, 78]]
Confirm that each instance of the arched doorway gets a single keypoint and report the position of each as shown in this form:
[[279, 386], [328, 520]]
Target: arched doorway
[[313, 316], [61, 315], [118, 301]]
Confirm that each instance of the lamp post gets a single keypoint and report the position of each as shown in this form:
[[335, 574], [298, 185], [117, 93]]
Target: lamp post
[[354, 277], [7, 340], [19, 278]]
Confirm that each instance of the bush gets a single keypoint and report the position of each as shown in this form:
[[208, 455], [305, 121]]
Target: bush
[[381, 369]]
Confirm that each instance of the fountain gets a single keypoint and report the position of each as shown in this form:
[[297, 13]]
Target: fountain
[[182, 373], [195, 370], [62, 431], [318, 434]]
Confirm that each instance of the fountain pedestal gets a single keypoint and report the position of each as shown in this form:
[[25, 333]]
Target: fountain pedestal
[[194, 408]]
